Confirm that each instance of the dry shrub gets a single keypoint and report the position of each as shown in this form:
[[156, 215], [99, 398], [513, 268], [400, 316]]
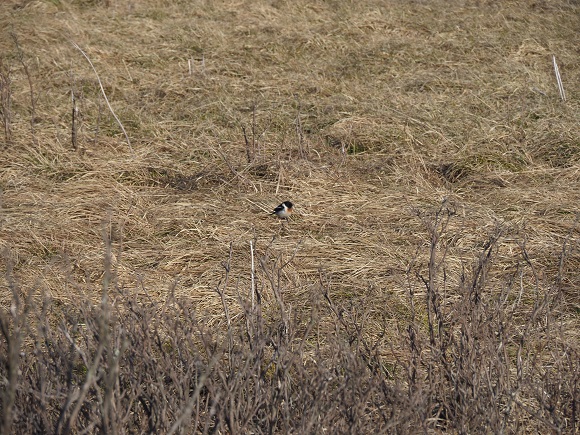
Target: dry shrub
[[483, 361]]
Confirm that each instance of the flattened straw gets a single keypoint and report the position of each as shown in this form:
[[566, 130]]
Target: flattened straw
[[559, 79], [104, 94]]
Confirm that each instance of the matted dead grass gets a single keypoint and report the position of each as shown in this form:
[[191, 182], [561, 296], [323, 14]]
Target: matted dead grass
[[367, 115]]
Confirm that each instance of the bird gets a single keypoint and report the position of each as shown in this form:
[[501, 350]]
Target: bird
[[284, 210]]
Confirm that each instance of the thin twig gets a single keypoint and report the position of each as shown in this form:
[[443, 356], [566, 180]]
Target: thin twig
[[186, 412], [559, 79], [300, 133], [30, 87], [74, 120], [104, 94], [6, 101], [253, 272]]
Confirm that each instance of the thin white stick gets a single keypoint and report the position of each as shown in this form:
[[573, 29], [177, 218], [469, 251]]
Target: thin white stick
[[104, 94], [252, 272], [559, 79], [189, 65]]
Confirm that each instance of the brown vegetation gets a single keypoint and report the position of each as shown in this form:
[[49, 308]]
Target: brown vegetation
[[429, 281]]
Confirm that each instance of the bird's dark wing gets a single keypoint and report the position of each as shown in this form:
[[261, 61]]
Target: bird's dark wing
[[278, 209]]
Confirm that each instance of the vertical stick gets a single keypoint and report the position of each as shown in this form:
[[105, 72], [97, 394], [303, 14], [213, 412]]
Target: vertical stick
[[5, 100], [299, 133], [252, 273], [254, 140], [559, 79], [75, 114]]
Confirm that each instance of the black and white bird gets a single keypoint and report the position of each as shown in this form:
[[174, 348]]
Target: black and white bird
[[284, 210]]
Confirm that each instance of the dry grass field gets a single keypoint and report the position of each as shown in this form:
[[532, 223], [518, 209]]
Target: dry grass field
[[429, 280]]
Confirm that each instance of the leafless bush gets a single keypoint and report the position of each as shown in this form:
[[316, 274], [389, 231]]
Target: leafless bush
[[483, 362], [487, 361]]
